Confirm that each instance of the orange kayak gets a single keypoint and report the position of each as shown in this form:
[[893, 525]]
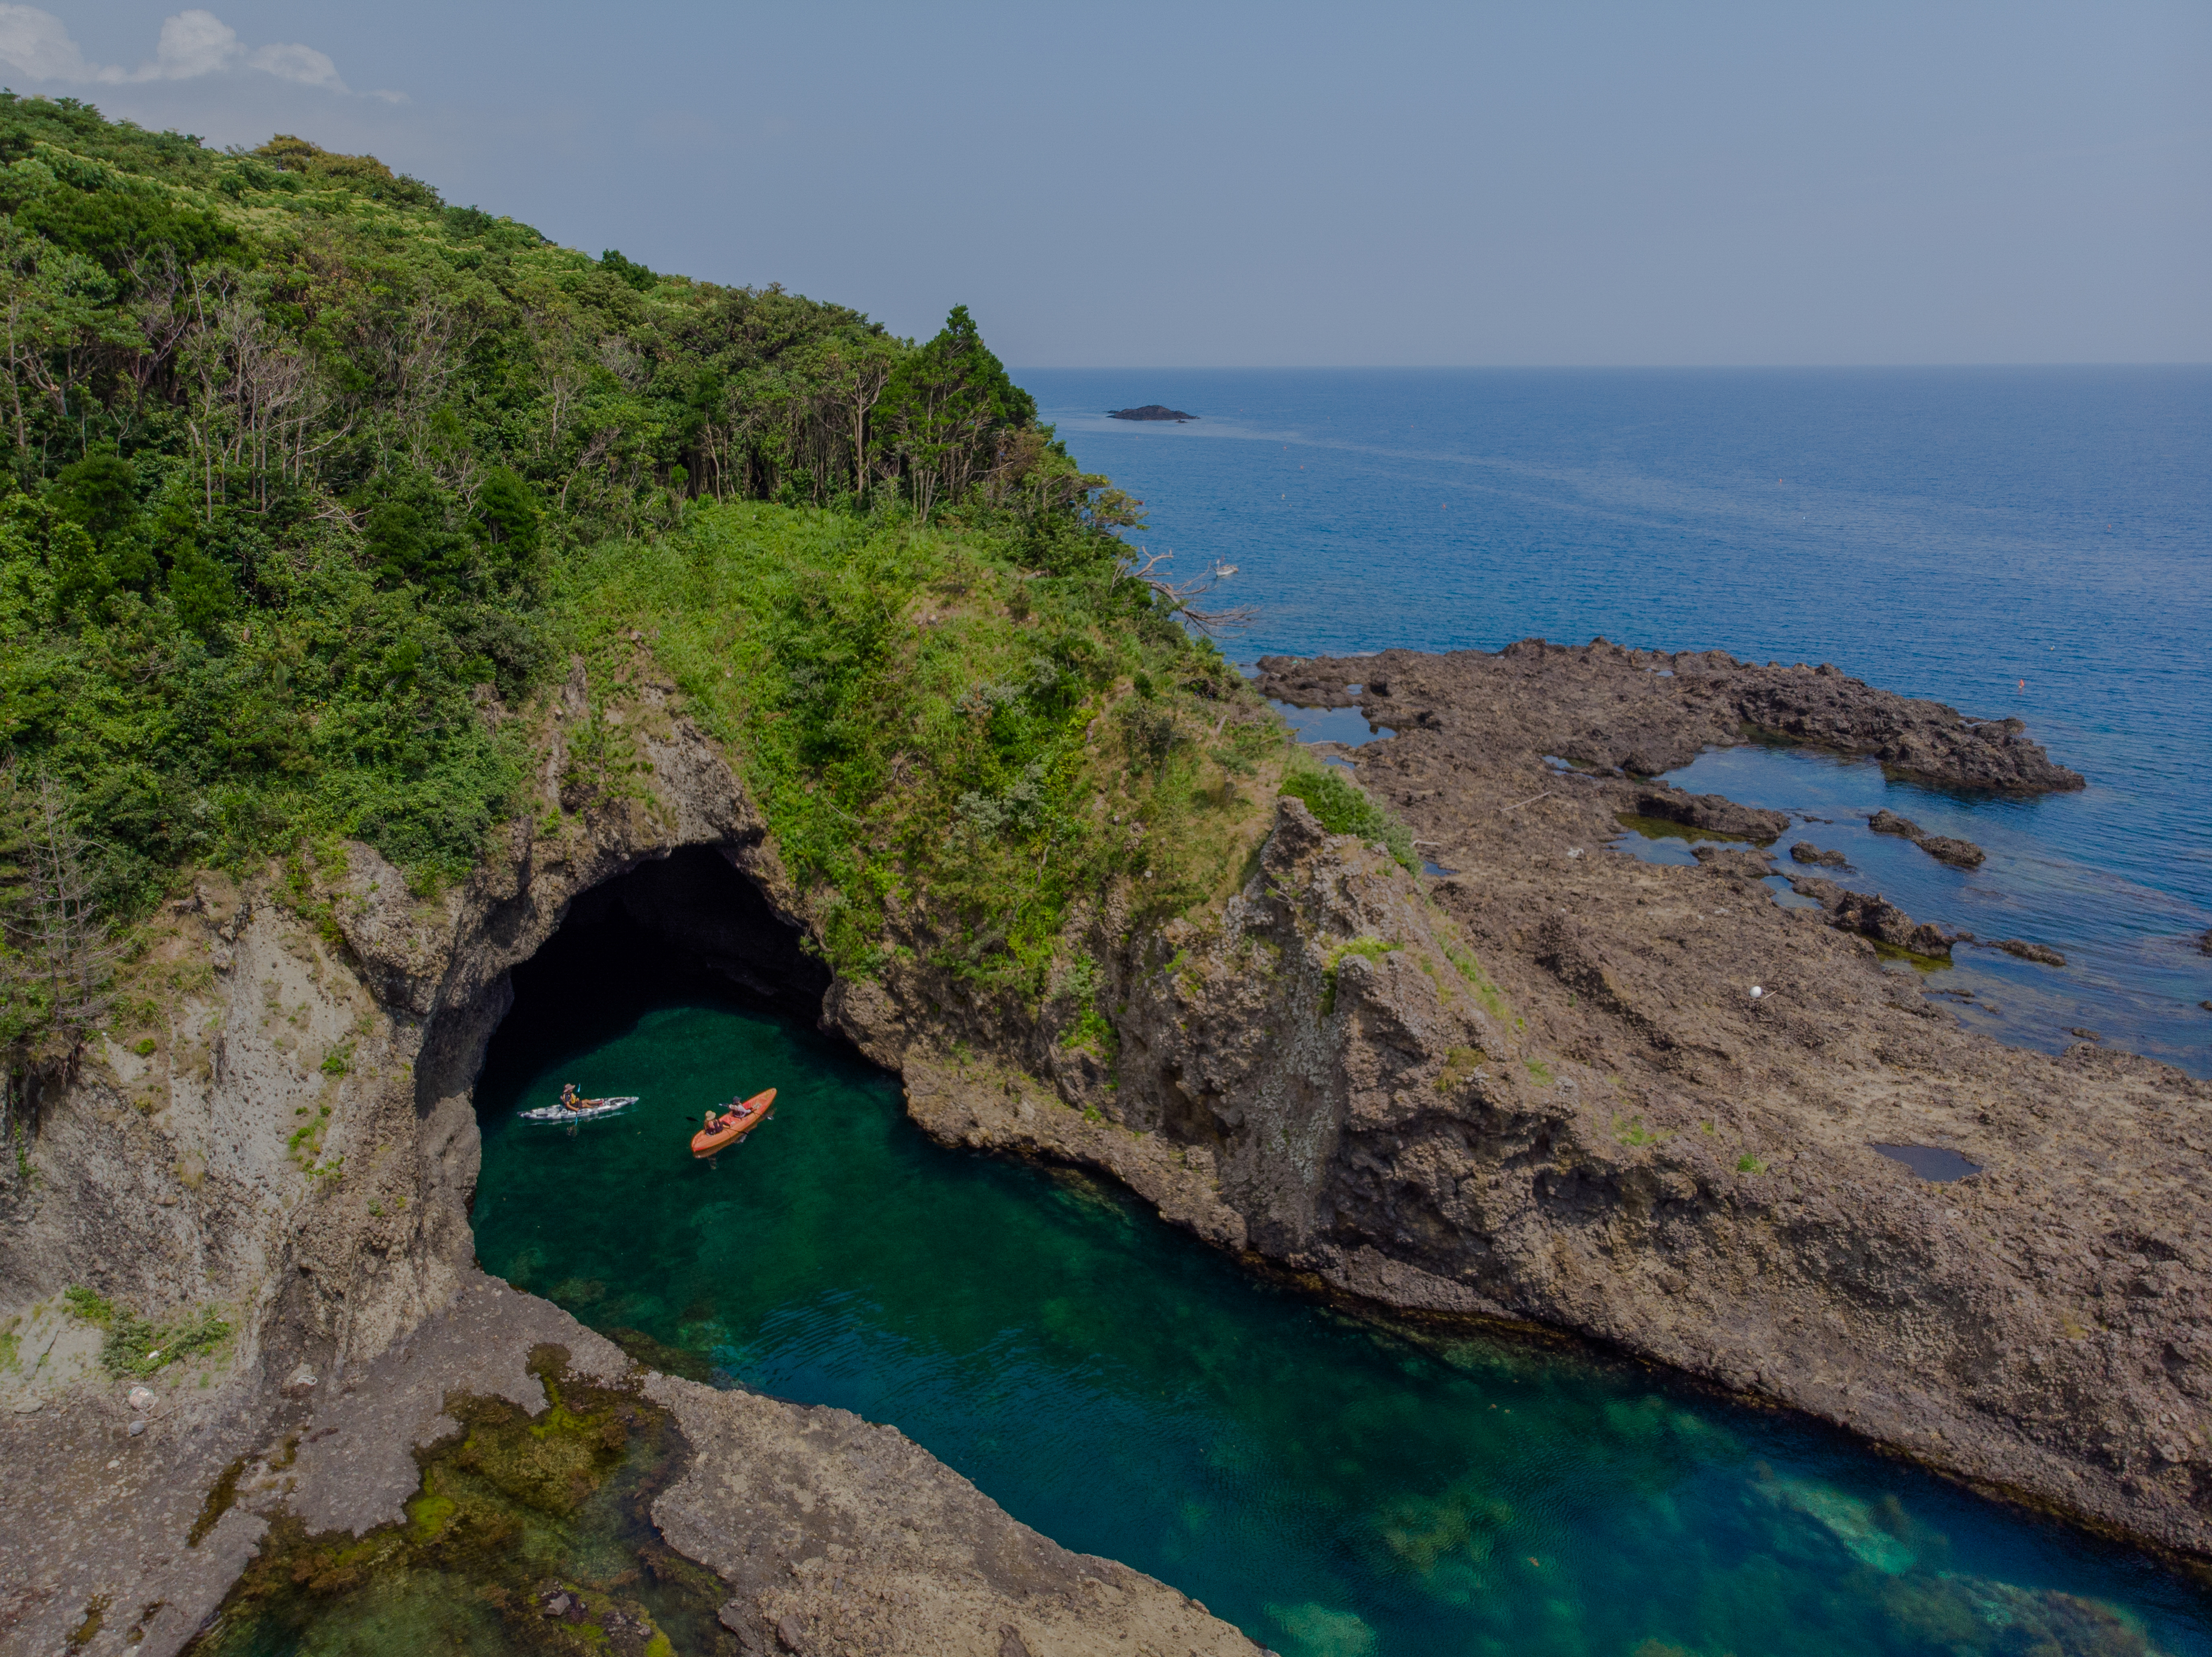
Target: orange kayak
[[733, 1124]]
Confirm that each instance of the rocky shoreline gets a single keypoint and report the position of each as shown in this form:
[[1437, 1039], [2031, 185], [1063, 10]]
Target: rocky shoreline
[[1704, 1191], [344, 1254], [1640, 713], [1538, 1089]]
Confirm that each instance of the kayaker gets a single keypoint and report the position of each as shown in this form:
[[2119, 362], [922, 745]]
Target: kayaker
[[568, 1098]]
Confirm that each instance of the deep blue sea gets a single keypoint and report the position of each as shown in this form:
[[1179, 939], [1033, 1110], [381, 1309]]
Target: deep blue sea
[[2030, 542]]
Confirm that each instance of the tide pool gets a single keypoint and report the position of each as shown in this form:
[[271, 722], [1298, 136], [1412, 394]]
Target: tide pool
[[2128, 982], [1337, 1486]]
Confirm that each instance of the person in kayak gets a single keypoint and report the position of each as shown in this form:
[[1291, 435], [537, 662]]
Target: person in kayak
[[568, 1098], [728, 1116]]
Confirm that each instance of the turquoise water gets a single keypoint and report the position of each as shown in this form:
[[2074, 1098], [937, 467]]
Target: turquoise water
[[1335, 1486], [2030, 542]]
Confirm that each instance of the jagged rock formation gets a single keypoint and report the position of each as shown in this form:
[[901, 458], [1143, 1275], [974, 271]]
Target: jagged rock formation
[[1695, 1180], [1643, 712], [1540, 1089], [338, 1240], [1872, 915]]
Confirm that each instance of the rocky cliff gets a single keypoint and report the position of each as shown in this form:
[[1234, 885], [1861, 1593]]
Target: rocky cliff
[[1538, 1089], [1641, 1103], [297, 1151]]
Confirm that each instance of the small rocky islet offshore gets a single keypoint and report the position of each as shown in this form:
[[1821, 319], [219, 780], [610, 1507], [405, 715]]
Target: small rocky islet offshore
[[1537, 1091]]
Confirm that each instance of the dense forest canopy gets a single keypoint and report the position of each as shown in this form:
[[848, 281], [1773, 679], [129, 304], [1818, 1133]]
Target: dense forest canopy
[[313, 477]]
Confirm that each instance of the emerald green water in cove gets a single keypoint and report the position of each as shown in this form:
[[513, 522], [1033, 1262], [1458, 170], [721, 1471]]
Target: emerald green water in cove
[[1337, 1487]]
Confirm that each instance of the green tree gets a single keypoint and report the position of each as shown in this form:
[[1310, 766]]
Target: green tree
[[945, 410], [100, 493], [506, 517], [201, 587]]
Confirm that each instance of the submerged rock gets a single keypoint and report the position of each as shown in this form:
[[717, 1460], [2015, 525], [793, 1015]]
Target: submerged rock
[[1945, 848], [1716, 813], [1806, 851], [2028, 952], [1149, 411]]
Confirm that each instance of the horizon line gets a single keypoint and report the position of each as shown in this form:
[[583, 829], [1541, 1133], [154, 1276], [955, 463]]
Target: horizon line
[[1574, 368]]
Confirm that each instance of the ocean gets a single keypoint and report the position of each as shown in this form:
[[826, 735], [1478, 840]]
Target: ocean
[[2034, 542]]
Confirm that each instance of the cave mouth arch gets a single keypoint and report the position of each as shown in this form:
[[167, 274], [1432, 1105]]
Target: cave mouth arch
[[688, 926]]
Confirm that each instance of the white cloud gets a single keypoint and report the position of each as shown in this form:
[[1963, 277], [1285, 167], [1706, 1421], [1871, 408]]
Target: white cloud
[[193, 43], [305, 64], [37, 44]]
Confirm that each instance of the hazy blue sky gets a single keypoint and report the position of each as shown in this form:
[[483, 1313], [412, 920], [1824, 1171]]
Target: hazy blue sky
[[1262, 184]]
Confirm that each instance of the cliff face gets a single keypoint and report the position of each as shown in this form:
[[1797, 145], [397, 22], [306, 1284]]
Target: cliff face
[[1611, 1137], [298, 1153], [1542, 1088], [1538, 1090]]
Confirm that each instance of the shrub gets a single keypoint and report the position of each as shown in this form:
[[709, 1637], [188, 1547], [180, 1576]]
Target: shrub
[[1341, 807], [135, 1347]]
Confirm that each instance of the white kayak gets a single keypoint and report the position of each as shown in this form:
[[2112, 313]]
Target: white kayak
[[592, 1108]]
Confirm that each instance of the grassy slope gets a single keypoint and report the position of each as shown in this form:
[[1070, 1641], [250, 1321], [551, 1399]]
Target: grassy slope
[[981, 726], [930, 727]]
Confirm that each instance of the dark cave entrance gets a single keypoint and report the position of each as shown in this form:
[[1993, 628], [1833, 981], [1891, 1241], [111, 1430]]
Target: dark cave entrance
[[686, 927]]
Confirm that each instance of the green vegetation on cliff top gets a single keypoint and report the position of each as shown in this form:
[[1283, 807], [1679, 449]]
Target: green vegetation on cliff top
[[313, 480]]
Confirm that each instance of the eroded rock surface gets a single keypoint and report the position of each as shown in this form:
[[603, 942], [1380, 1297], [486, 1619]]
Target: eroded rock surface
[[1643, 712], [1540, 1089], [1633, 1145], [298, 1150]]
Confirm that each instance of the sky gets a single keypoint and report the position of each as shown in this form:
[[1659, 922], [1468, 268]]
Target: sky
[[1221, 184]]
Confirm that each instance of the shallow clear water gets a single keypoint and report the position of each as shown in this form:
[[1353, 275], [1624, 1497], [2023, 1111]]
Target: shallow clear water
[[2035, 542], [2130, 984], [1335, 1486], [1347, 725]]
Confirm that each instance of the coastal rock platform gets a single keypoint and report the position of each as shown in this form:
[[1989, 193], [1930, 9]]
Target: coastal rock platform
[[1540, 1090], [1655, 1126], [1640, 713]]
